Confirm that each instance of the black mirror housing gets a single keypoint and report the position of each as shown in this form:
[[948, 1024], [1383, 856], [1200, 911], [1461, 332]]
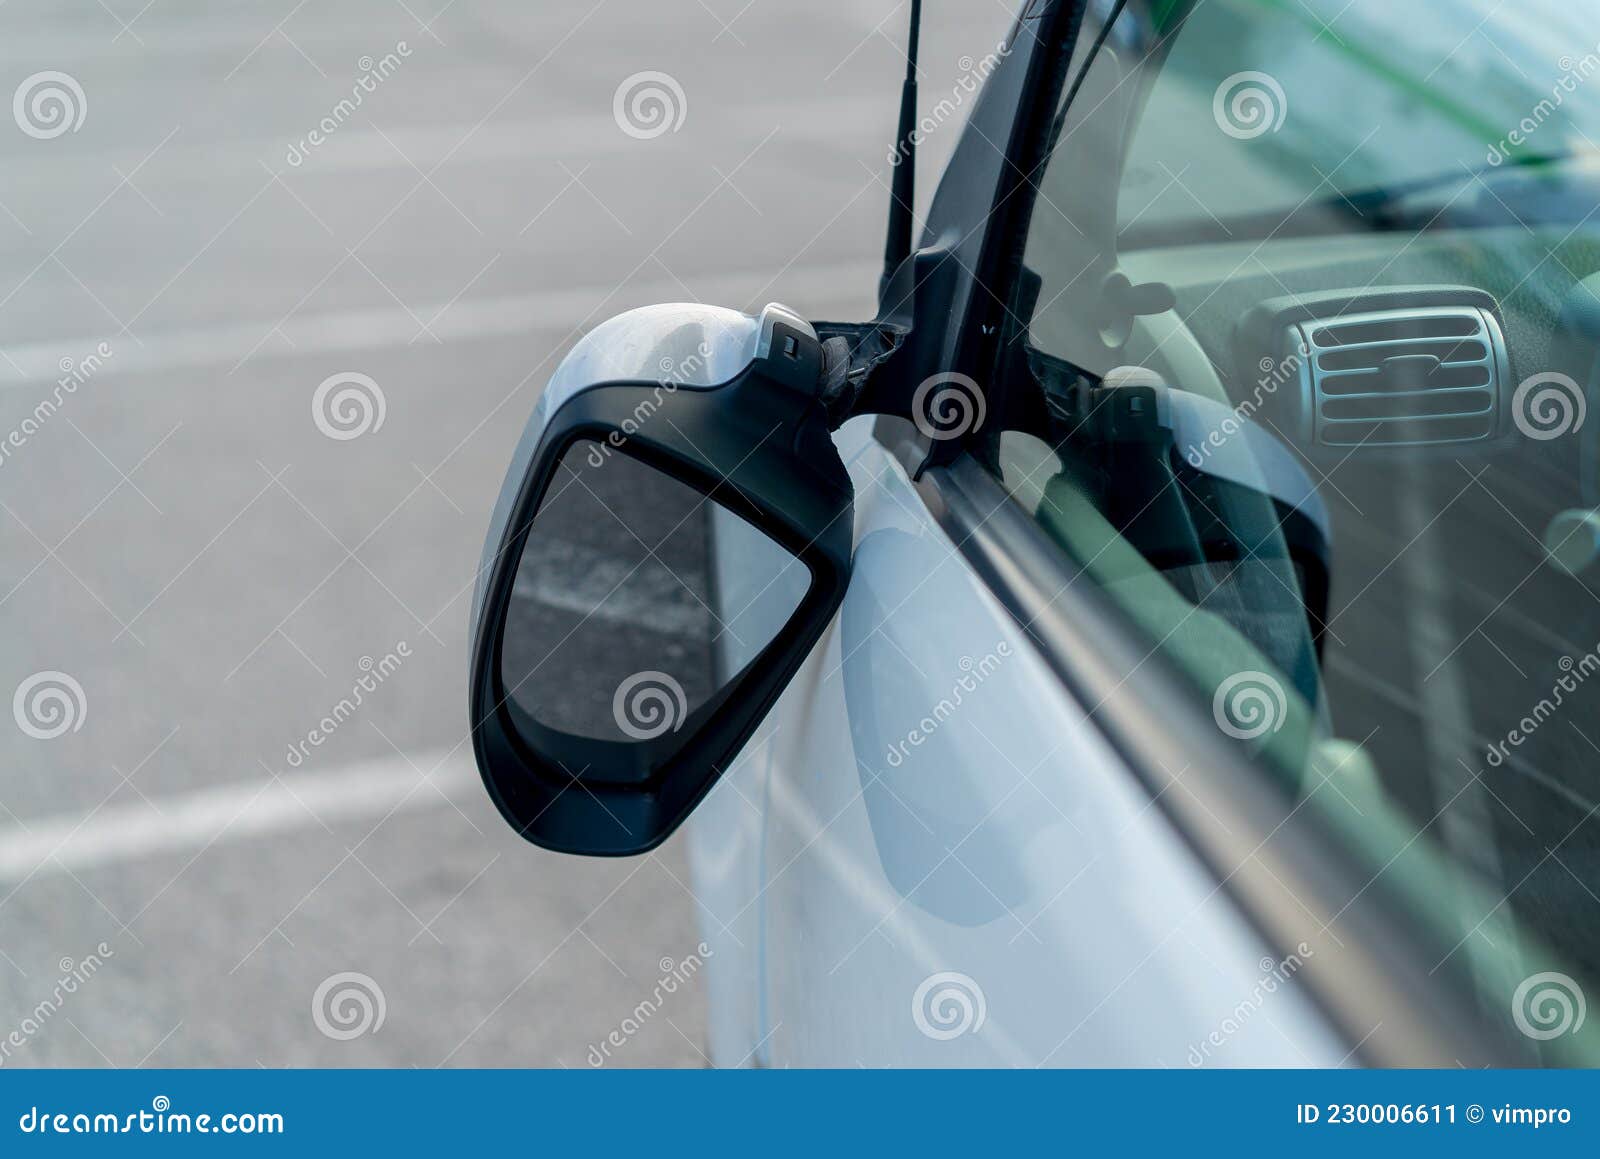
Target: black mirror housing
[[728, 406]]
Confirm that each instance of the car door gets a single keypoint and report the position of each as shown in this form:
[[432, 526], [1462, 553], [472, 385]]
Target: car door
[[1062, 783], [959, 870], [932, 855]]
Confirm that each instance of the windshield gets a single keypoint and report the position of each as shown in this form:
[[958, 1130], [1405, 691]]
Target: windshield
[[1501, 91], [1303, 369]]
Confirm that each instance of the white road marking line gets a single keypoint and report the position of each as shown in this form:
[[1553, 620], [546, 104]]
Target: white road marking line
[[241, 809], [570, 577], [1467, 825], [341, 331], [355, 147], [568, 137]]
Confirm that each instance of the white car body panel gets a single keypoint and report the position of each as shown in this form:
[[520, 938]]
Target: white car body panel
[[842, 864]]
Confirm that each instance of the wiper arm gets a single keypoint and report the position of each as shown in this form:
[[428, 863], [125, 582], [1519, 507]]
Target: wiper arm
[[1377, 209], [1382, 202]]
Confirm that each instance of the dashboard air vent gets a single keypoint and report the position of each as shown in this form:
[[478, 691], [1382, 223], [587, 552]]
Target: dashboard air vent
[[1397, 377]]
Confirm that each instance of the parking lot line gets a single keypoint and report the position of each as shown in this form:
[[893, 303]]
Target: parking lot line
[[338, 331], [235, 811]]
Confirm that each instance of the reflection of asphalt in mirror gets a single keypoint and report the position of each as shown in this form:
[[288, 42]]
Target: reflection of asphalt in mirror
[[614, 581], [575, 578]]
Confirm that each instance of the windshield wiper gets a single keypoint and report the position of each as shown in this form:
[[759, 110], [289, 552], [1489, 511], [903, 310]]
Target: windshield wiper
[[1380, 208], [1386, 202]]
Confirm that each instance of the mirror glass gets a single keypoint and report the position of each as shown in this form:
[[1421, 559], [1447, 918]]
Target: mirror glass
[[637, 600]]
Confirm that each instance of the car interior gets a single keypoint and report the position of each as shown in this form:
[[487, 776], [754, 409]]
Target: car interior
[[1300, 383]]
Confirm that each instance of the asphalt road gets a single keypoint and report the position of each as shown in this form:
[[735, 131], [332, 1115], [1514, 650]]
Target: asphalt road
[[182, 539]]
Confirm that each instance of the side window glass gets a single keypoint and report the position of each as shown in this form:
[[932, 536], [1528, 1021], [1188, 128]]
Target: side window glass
[[1299, 360]]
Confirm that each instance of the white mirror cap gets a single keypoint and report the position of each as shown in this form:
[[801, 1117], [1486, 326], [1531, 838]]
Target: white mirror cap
[[686, 344], [682, 343]]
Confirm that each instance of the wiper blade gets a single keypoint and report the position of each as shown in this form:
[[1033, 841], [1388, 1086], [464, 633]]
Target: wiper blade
[[1384, 202], [1376, 209]]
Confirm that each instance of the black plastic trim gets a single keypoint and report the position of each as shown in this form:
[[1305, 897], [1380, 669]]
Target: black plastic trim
[[933, 296]]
